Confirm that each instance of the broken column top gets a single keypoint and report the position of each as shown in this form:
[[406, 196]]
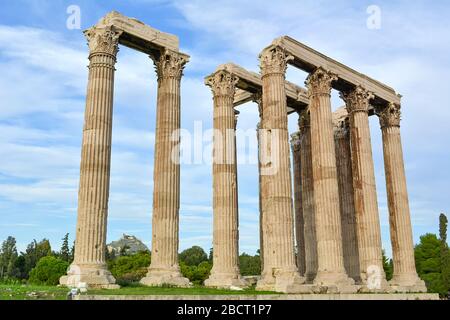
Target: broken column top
[[138, 35]]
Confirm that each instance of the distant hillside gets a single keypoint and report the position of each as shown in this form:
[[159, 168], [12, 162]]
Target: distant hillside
[[128, 245]]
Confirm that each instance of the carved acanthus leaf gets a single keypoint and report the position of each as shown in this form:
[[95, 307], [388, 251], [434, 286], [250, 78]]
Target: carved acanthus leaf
[[274, 60], [390, 116], [357, 99], [222, 83], [319, 82], [169, 64], [103, 40]]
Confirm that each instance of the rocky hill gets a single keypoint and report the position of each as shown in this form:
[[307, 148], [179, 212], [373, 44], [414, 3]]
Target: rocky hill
[[127, 245]]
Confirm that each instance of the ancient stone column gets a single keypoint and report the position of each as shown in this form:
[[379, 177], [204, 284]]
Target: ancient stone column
[[405, 276], [331, 272], [164, 268], [346, 200], [257, 98], [225, 271], [298, 208], [89, 265], [308, 198], [365, 193], [280, 270]]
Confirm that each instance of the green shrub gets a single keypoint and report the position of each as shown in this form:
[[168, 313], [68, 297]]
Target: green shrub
[[250, 265], [196, 274], [48, 271], [129, 269], [193, 256]]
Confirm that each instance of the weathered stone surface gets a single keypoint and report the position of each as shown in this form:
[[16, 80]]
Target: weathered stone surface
[[405, 278], [364, 188], [298, 207], [308, 198], [405, 296], [346, 199], [225, 271], [138, 35], [309, 59], [89, 265], [164, 268], [280, 271], [331, 271]]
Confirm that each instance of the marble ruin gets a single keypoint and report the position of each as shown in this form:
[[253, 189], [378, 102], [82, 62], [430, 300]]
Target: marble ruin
[[89, 265], [322, 236]]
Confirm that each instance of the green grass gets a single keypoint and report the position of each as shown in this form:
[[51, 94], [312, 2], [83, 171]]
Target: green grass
[[33, 292], [196, 290]]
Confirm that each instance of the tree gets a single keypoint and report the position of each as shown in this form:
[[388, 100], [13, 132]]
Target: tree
[[445, 253], [250, 265], [443, 228], [428, 263], [193, 256], [34, 252], [211, 255], [48, 271], [130, 268], [64, 253], [196, 274], [72, 252], [388, 266], [8, 257]]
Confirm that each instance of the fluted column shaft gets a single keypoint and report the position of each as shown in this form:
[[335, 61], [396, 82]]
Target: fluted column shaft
[[225, 271], [308, 198], [326, 193], [164, 267], [347, 205], [365, 193], [298, 207], [278, 224], [95, 161], [398, 204], [89, 263]]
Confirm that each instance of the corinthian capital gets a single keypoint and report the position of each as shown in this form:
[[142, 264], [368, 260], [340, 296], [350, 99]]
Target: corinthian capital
[[222, 83], [103, 40], [319, 82], [390, 116], [274, 59], [169, 64], [357, 99]]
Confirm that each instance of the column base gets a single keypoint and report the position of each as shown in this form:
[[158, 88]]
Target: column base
[[309, 277], [285, 282], [407, 284], [226, 281], [376, 283], [93, 276], [334, 282], [157, 277]]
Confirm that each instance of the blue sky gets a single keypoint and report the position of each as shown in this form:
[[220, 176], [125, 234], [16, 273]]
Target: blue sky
[[43, 83]]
